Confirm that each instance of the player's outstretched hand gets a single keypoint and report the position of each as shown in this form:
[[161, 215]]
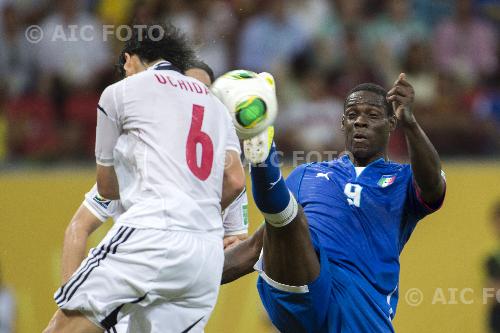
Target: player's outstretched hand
[[402, 96]]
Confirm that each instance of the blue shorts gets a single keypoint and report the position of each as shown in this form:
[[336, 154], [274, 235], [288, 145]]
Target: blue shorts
[[333, 303], [298, 309]]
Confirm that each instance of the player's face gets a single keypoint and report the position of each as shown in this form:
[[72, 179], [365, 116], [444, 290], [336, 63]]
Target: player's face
[[200, 75], [367, 126]]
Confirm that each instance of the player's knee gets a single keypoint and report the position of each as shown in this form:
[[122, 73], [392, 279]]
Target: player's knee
[[57, 323], [51, 328], [296, 220], [286, 216], [300, 217]]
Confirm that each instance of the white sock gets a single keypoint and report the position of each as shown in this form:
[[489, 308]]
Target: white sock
[[284, 217]]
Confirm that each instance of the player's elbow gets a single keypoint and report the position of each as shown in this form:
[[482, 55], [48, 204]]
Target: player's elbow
[[82, 224], [108, 192], [235, 184], [234, 179], [433, 192], [239, 184], [107, 183]]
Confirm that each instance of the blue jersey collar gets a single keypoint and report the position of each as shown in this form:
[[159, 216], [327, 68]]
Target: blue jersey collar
[[379, 161]]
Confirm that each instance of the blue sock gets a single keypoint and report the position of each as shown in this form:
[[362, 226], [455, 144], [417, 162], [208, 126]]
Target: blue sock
[[269, 189]]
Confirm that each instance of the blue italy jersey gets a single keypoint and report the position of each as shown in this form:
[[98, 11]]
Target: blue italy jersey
[[361, 224]]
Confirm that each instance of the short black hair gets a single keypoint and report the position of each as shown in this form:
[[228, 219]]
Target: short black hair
[[197, 63], [159, 41], [376, 89]]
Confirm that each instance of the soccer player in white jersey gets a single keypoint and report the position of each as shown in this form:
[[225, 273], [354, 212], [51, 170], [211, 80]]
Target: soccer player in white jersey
[[166, 147], [95, 210]]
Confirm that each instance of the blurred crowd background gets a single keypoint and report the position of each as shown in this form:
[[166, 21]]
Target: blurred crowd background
[[317, 49]]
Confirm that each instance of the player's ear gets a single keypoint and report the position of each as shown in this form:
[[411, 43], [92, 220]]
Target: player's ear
[[342, 123], [128, 58], [127, 64]]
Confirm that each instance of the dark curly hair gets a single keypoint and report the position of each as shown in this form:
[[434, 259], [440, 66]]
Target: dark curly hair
[[159, 41]]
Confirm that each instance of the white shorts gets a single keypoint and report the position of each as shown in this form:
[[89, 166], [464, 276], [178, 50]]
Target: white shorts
[[121, 326], [167, 281]]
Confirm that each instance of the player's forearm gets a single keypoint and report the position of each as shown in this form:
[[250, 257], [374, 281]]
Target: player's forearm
[[425, 162], [74, 249], [233, 182], [240, 259], [233, 185], [82, 225]]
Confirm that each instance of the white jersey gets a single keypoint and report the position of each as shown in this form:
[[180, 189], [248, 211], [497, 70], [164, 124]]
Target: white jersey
[[234, 218], [166, 136]]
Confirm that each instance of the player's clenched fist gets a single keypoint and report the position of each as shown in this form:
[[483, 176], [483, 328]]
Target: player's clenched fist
[[401, 96]]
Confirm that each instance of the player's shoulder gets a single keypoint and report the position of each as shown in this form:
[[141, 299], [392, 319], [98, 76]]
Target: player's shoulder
[[137, 79], [112, 88], [111, 99], [397, 167], [343, 167], [218, 103], [315, 166], [299, 170], [304, 171], [337, 164], [222, 110]]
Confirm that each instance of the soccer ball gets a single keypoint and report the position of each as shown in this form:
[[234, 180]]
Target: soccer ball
[[250, 99]]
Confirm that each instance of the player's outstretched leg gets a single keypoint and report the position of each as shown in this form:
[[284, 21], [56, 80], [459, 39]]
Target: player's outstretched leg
[[289, 255]]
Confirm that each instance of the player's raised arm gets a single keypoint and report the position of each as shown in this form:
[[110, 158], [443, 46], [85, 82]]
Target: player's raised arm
[[424, 158]]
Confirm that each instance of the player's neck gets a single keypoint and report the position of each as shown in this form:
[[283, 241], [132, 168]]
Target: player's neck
[[155, 62], [148, 65], [363, 162]]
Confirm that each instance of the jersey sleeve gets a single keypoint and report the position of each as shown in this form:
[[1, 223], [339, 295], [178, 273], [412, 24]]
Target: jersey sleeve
[[415, 208], [98, 206], [235, 217], [294, 180], [416, 204], [108, 124]]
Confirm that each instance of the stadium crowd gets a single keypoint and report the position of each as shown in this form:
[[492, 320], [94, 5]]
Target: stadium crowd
[[316, 50]]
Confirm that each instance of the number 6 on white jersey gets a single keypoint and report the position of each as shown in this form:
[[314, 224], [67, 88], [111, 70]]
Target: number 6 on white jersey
[[353, 193]]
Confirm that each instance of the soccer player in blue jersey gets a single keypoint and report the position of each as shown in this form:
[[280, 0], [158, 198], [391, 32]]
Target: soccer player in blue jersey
[[334, 230]]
